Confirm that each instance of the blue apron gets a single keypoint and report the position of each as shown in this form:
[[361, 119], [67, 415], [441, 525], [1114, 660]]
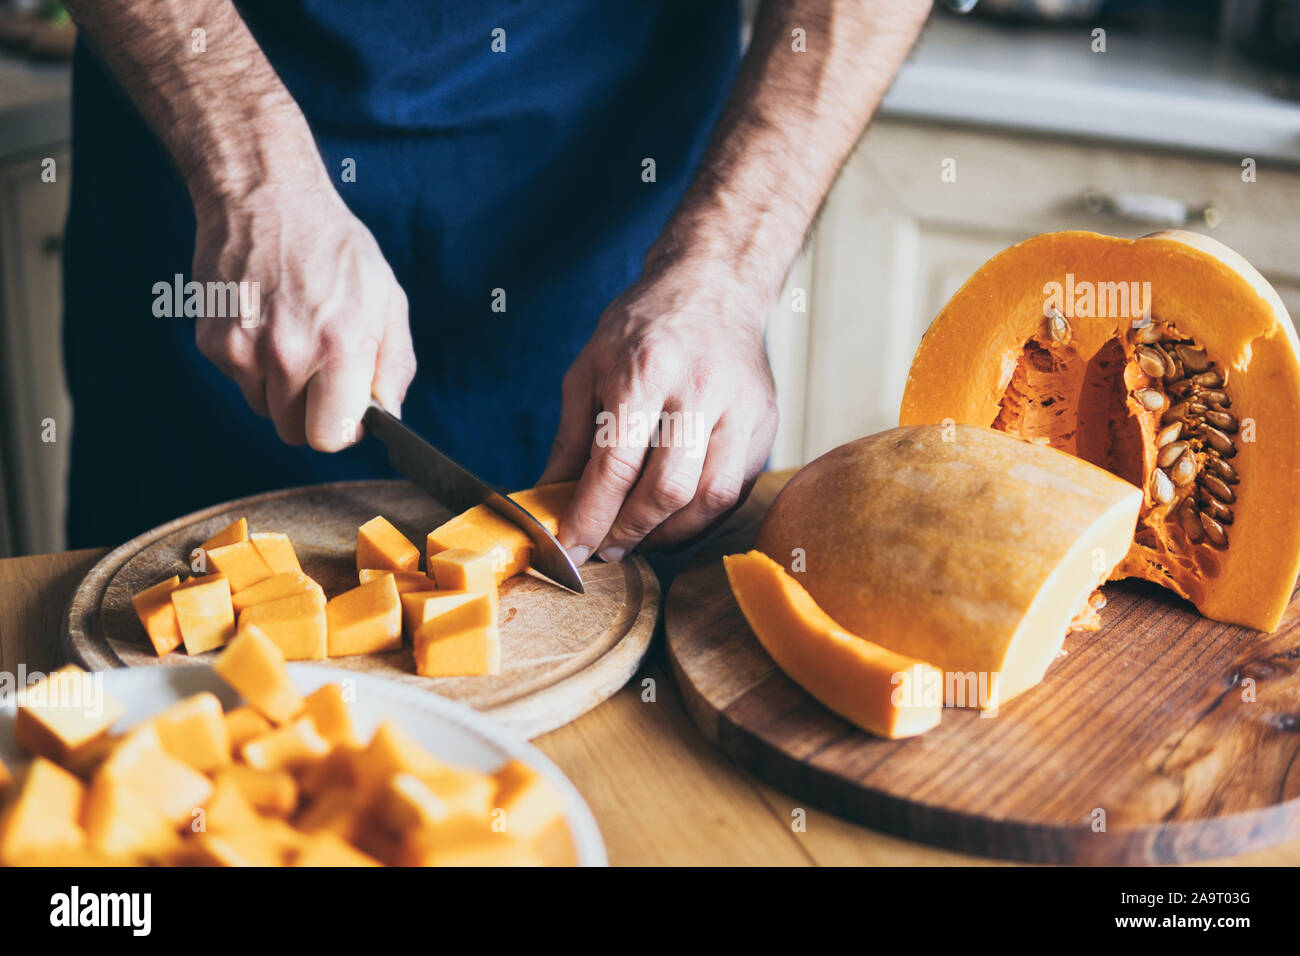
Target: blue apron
[[475, 170]]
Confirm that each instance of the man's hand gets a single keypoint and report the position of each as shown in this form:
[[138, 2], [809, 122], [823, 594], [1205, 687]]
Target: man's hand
[[333, 323], [333, 326], [688, 336], [668, 413]]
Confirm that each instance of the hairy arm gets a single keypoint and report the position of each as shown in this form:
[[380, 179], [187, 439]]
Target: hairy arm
[[267, 212], [688, 336]]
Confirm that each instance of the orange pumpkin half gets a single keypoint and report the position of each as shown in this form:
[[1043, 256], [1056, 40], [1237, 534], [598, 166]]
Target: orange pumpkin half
[[1169, 361]]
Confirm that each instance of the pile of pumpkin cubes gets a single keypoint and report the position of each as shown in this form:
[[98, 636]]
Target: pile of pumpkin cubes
[[448, 613], [282, 779]]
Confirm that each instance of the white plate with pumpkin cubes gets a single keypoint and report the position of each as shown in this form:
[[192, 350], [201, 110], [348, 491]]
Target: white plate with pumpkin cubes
[[255, 762], [375, 577]]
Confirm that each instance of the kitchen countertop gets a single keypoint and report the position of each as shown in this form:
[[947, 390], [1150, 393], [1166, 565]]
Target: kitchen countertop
[[1178, 92], [661, 794]]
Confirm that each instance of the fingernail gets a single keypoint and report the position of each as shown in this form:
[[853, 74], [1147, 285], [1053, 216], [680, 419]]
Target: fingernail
[[579, 554], [611, 555]]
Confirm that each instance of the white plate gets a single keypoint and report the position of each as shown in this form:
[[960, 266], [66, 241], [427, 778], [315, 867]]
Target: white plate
[[450, 731]]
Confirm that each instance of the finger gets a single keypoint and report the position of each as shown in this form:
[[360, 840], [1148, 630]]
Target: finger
[[337, 396], [618, 451], [668, 483], [395, 361], [572, 446], [231, 351], [735, 457]]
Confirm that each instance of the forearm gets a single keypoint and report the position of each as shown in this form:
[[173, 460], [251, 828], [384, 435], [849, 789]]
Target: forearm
[[223, 114], [790, 124]]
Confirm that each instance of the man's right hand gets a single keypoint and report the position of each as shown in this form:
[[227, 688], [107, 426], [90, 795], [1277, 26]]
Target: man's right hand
[[333, 327]]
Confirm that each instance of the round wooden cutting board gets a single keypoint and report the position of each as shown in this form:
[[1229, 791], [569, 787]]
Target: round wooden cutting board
[[1164, 737], [561, 653]]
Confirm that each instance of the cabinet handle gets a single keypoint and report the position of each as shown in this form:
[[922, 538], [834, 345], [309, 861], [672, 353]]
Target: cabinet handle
[[1151, 209]]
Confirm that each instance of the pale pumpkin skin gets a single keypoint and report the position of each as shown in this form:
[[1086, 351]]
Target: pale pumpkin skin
[[968, 356], [955, 545]]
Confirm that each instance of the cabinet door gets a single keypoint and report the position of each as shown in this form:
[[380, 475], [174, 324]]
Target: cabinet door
[[31, 318]]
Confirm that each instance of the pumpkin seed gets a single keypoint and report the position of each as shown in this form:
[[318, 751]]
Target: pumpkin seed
[[1184, 469], [1218, 441], [1214, 531], [1182, 411], [1150, 399], [1151, 361], [1190, 521], [1216, 487], [1224, 421], [1170, 453], [1168, 434], [1148, 334], [1209, 379], [1221, 468], [1214, 396], [1193, 359], [1162, 489], [1216, 508], [1097, 600], [1058, 327]]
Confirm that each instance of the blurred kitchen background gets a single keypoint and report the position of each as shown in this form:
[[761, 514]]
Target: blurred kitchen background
[[1046, 134]]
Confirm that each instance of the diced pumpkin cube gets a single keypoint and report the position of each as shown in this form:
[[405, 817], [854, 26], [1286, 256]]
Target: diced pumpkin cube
[[381, 546], [243, 724], [271, 792], [88, 759], [471, 652], [365, 620], [194, 730], [118, 824], [227, 808], [468, 844], [204, 612], [270, 843], [451, 610], [241, 563], [391, 751], [460, 569], [6, 778], [274, 588], [464, 792], [342, 811], [254, 666], [530, 804], [326, 849], [296, 624], [156, 779], [291, 747], [341, 768], [67, 858], [64, 714], [44, 815], [153, 606], [405, 802], [482, 529], [328, 708], [406, 581], [277, 551], [232, 533]]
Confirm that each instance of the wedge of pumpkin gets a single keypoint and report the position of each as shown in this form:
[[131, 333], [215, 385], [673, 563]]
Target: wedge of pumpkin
[[1167, 360], [959, 546]]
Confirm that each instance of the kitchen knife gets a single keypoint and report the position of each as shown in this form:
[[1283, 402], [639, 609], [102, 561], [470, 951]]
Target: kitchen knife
[[460, 490]]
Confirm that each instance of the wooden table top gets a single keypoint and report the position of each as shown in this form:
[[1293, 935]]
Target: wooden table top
[[661, 794]]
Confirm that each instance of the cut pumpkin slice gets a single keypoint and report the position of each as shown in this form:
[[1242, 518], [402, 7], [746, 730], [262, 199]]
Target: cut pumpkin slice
[[880, 691]]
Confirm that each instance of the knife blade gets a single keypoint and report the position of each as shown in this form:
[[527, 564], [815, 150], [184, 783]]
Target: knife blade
[[459, 489]]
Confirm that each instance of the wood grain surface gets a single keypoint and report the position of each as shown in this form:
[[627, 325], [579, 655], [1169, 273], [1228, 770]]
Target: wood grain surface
[[1179, 734], [561, 653]]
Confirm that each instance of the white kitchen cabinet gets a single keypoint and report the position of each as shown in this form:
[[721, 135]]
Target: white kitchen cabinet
[[895, 241], [35, 394]]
